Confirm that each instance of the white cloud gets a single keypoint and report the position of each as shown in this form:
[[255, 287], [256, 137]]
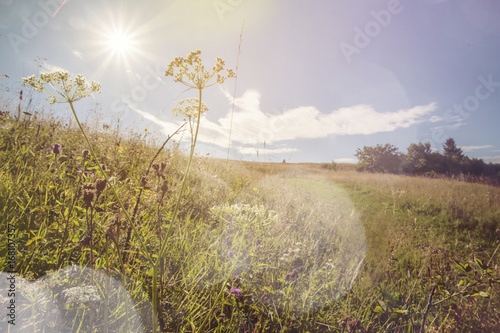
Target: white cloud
[[492, 159], [77, 54], [467, 149], [252, 126], [253, 151], [346, 160], [52, 68], [435, 119], [451, 126]]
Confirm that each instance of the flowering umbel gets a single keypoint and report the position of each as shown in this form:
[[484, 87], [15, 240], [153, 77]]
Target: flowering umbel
[[65, 88], [197, 77], [189, 108]]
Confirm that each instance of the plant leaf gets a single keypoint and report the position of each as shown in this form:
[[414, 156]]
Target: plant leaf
[[34, 239]]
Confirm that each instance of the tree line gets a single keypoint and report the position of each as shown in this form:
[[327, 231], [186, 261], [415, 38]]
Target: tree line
[[422, 160]]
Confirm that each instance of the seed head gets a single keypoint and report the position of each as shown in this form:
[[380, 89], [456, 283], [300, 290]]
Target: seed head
[[144, 181], [100, 185], [88, 186], [84, 242], [85, 153], [164, 187], [156, 167], [88, 197]]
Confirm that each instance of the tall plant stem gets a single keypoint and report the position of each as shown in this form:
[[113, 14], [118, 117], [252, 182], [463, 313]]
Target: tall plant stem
[[183, 185], [136, 207], [174, 215], [136, 232], [234, 92]]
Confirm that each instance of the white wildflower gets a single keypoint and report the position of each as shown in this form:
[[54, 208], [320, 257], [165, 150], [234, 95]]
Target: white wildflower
[[81, 295]]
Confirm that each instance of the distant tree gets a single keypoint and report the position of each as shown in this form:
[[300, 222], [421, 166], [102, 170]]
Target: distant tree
[[380, 158], [453, 157], [418, 159], [474, 166], [451, 150], [421, 160], [437, 163]]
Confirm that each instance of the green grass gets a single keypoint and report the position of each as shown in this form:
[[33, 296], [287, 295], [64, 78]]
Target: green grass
[[256, 247]]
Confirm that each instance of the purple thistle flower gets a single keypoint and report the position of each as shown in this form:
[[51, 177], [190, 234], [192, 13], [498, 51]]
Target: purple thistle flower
[[230, 254], [88, 174], [235, 291], [56, 149]]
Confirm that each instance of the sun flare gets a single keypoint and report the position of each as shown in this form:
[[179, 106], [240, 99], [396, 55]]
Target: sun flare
[[120, 42]]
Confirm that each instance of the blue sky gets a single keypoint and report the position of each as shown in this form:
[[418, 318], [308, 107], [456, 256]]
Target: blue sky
[[316, 80]]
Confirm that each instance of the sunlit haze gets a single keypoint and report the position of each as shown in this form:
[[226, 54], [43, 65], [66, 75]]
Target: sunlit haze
[[316, 79]]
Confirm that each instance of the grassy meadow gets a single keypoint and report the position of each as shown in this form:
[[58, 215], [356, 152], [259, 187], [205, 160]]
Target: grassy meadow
[[255, 247]]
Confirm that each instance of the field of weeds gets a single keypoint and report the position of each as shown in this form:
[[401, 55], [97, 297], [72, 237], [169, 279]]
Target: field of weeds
[[254, 247]]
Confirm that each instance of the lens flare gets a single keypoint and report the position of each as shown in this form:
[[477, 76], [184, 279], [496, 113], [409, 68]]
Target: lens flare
[[296, 240]]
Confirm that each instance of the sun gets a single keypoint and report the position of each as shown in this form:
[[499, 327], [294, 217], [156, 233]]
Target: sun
[[120, 46], [120, 42]]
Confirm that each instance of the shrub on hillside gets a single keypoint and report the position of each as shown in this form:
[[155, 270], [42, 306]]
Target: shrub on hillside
[[380, 158]]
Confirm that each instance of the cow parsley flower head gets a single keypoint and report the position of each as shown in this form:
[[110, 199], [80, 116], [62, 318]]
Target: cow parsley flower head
[[191, 72], [81, 295], [64, 88], [189, 108]]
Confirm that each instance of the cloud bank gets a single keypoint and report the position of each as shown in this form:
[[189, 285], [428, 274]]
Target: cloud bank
[[467, 149], [252, 126]]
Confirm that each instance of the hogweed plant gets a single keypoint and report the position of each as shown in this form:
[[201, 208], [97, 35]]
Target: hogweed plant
[[189, 71], [67, 90], [61, 88]]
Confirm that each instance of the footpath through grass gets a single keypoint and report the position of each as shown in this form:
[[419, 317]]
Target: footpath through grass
[[427, 237]]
